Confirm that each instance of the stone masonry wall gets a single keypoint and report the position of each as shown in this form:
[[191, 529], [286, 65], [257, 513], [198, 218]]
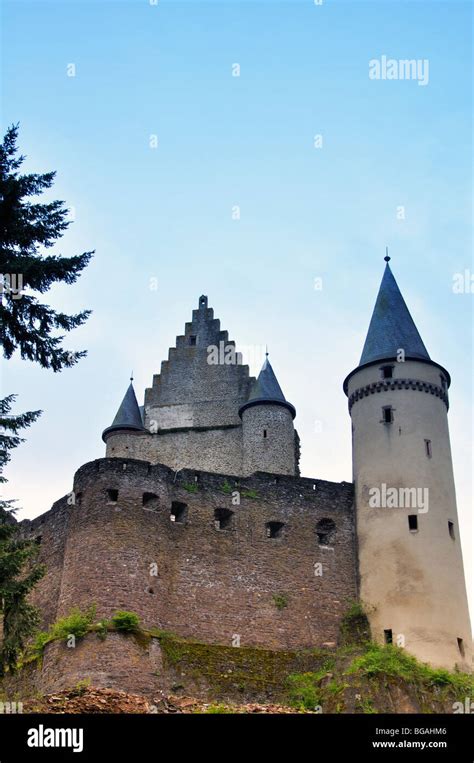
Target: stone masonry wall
[[210, 583], [49, 530], [207, 576], [268, 440], [190, 391], [216, 450]]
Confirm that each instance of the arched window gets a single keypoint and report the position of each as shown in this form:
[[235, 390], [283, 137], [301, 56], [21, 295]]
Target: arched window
[[274, 529], [150, 501]]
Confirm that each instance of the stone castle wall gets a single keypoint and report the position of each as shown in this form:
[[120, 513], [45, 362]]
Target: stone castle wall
[[50, 531], [217, 449], [217, 574]]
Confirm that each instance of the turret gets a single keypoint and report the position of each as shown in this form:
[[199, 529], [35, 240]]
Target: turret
[[269, 443], [410, 561], [127, 424]]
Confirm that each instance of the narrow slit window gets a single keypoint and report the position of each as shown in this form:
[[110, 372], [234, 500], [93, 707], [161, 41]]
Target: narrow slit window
[[413, 523], [461, 647], [264, 433], [179, 512], [451, 529], [388, 636], [274, 529], [223, 519], [387, 414], [428, 449], [112, 495]]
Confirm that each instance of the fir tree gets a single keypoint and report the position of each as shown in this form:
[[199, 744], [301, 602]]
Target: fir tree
[[18, 571], [26, 230]]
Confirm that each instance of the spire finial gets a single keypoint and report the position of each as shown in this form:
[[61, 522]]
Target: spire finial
[[387, 258], [266, 350], [131, 376]]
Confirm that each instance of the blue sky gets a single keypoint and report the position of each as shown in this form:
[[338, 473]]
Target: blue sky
[[247, 141]]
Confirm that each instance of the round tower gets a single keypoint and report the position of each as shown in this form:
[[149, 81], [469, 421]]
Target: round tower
[[128, 423], [411, 576], [269, 437]]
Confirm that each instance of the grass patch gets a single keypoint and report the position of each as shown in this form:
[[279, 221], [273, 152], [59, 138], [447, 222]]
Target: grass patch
[[191, 487], [249, 494], [219, 710], [390, 660], [226, 487]]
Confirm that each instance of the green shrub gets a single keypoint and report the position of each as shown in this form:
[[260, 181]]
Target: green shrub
[[304, 692], [388, 660], [126, 622], [76, 624], [40, 641]]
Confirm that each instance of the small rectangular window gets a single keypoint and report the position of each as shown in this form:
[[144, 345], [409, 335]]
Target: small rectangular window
[[413, 522], [112, 495], [179, 512], [223, 519], [264, 432], [387, 413], [461, 647], [388, 636], [387, 372], [428, 449], [451, 529], [192, 341]]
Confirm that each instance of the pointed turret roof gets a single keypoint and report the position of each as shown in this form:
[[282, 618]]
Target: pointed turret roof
[[128, 415], [391, 328], [266, 390]]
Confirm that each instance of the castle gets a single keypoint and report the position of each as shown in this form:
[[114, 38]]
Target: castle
[[197, 518]]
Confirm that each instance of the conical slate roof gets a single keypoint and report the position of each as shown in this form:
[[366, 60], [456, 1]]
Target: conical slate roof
[[128, 415], [391, 328], [266, 390]]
